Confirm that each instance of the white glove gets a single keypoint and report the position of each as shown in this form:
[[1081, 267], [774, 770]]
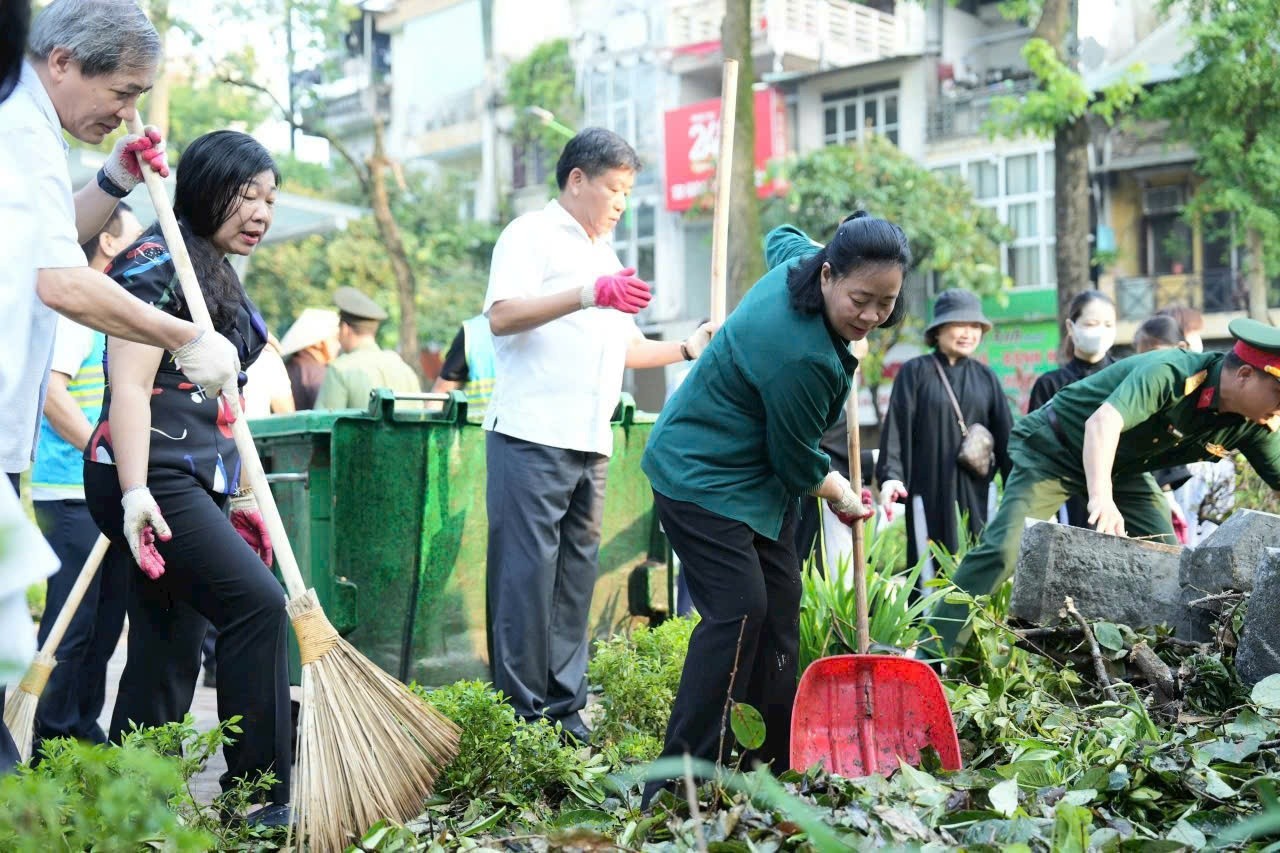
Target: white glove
[[892, 491], [1174, 506], [210, 361], [697, 342], [143, 523]]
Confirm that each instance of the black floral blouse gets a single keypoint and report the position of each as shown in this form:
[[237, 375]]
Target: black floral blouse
[[189, 430]]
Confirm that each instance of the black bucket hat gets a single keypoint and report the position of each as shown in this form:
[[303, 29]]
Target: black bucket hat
[[957, 306]]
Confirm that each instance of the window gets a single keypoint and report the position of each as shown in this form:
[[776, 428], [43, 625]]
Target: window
[[1167, 237], [1019, 188], [857, 114], [634, 241]]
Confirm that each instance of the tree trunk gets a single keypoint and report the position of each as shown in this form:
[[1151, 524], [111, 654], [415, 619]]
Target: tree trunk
[[746, 261], [1258, 308], [1071, 217], [406, 286], [158, 99]]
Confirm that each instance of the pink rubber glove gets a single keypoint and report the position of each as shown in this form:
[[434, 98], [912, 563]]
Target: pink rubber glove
[[246, 518], [143, 523], [621, 291]]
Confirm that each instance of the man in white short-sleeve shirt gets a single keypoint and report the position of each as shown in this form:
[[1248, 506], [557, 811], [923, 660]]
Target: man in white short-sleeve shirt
[[561, 311], [87, 62]]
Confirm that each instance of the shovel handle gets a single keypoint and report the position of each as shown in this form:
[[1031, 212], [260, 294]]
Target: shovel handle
[[724, 181], [861, 622], [250, 464]]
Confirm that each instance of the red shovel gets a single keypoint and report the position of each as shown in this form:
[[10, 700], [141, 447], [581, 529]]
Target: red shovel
[[860, 714]]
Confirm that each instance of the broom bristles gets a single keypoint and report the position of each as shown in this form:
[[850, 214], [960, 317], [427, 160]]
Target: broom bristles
[[20, 708], [368, 748]]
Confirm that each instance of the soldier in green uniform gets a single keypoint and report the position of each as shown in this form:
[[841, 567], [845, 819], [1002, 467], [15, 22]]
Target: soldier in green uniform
[[363, 365], [1100, 436]]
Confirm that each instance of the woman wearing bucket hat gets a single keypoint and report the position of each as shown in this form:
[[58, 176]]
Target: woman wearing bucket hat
[[923, 436]]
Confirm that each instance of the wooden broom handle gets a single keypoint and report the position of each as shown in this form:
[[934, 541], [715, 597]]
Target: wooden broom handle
[[250, 465], [862, 622], [724, 179], [69, 607]]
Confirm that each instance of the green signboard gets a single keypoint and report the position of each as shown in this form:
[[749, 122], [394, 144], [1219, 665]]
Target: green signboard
[[1019, 353]]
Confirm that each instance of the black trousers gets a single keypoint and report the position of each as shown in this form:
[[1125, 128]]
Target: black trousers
[[72, 700], [545, 508], [734, 574], [210, 575], [8, 749]]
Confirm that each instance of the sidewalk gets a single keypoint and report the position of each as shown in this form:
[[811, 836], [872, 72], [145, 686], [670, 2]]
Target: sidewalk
[[204, 706]]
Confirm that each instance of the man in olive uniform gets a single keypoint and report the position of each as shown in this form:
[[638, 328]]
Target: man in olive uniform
[[1100, 437], [362, 366]]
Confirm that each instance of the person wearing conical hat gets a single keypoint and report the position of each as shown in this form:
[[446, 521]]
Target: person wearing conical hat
[[1101, 437], [308, 348]]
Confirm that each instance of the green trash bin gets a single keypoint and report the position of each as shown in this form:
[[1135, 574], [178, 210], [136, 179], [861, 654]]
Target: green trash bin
[[386, 510]]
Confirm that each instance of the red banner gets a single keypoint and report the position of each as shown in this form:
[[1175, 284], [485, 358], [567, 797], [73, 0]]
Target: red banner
[[693, 143]]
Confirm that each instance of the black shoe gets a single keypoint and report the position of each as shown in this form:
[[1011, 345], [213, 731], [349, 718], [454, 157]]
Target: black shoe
[[271, 816]]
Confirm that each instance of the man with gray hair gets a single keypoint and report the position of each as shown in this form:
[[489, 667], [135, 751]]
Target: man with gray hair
[[87, 62]]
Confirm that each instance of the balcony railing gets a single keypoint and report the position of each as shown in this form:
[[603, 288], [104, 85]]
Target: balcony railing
[[964, 114], [835, 33], [354, 108], [441, 113], [1214, 291]]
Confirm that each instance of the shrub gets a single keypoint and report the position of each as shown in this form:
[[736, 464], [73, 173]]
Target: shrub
[[637, 677], [504, 758]]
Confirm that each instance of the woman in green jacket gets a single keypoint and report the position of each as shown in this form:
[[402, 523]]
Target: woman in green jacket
[[738, 444]]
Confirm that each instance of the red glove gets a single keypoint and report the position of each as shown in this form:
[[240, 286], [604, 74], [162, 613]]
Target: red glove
[[622, 291], [1180, 530], [854, 514], [246, 518]]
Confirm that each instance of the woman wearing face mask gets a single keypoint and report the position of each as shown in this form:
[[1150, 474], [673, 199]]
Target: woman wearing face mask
[[1091, 330], [921, 439], [161, 468]]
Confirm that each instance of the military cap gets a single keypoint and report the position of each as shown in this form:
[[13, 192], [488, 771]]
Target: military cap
[[1257, 344], [354, 304]]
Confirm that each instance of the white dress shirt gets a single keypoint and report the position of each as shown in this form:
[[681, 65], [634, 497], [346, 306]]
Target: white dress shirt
[[558, 384]]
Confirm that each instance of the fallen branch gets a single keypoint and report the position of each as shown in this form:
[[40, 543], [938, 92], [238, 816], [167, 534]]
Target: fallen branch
[[1155, 671], [1230, 595], [1099, 668], [728, 699], [691, 793]]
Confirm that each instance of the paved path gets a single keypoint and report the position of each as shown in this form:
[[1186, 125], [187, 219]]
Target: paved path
[[204, 706]]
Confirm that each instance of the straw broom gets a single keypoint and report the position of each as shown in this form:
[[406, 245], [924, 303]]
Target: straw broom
[[20, 709], [368, 748]]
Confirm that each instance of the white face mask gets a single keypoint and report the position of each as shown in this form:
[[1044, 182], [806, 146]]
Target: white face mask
[[1091, 342], [1195, 343]]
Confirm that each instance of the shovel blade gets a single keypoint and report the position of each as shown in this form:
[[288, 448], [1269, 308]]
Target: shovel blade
[[859, 714]]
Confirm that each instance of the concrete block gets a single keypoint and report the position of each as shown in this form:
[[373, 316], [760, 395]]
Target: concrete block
[[1228, 556], [1119, 580], [1259, 653]]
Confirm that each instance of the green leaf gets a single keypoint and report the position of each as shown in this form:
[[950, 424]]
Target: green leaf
[[1227, 750], [1187, 834], [1004, 797], [1266, 693], [1071, 826], [1247, 724], [1109, 636], [747, 724]]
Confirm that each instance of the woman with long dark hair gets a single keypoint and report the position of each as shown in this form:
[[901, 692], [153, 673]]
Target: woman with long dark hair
[[161, 468], [736, 446]]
